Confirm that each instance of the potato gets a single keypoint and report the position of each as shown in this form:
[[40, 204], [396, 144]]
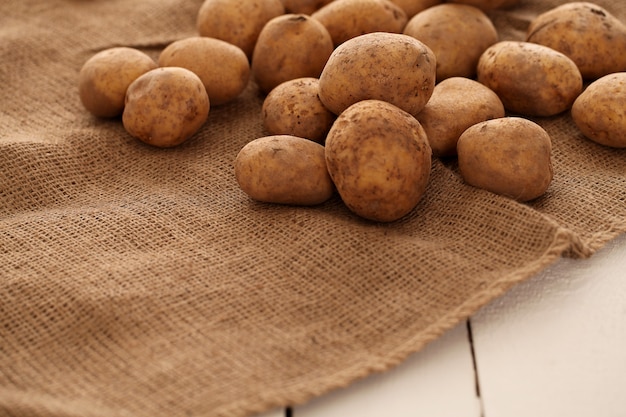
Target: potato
[[294, 108], [223, 67], [587, 33], [284, 169], [104, 78], [600, 110], [391, 67], [165, 106], [237, 22], [379, 160], [304, 6], [413, 7], [346, 19], [488, 5], [290, 46], [530, 79], [458, 34], [456, 104], [510, 156]]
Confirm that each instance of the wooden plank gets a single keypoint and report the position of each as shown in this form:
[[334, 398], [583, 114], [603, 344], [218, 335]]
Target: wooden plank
[[556, 344], [438, 381]]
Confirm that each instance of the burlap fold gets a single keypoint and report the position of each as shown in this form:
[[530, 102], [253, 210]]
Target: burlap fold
[[138, 281]]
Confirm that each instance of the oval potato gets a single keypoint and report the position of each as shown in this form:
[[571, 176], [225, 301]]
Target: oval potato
[[284, 169], [600, 110], [379, 159], [510, 156]]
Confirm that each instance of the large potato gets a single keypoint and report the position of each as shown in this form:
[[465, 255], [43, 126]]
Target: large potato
[[488, 5], [391, 67], [458, 34], [284, 169], [294, 108], [165, 106], [346, 19], [105, 77], [587, 33], [379, 159], [223, 67], [600, 110], [530, 79], [456, 104], [290, 46], [510, 156], [238, 22]]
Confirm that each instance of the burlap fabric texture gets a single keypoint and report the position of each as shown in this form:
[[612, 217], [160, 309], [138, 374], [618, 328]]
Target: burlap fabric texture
[[138, 281]]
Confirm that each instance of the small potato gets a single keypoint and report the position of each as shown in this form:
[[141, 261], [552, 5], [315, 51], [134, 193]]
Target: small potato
[[488, 5], [304, 6], [290, 46], [458, 34], [413, 7], [391, 67], [600, 110], [379, 159], [104, 78], [294, 108], [223, 67], [456, 104], [346, 19], [510, 156], [585, 32], [284, 169], [238, 22], [530, 79], [165, 106]]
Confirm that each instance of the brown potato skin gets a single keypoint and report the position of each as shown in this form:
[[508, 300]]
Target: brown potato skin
[[165, 106], [488, 5], [585, 32], [510, 156], [346, 19], [379, 159], [530, 79], [304, 6], [413, 7], [238, 22], [600, 111], [458, 34], [294, 108], [223, 67], [105, 77], [284, 169], [290, 46], [391, 67], [456, 104]]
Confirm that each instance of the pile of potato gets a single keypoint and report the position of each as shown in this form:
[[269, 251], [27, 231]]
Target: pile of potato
[[360, 95]]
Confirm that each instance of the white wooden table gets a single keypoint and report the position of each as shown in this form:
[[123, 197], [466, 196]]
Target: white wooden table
[[552, 346]]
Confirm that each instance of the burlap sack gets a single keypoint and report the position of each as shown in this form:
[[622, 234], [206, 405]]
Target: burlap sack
[[138, 281]]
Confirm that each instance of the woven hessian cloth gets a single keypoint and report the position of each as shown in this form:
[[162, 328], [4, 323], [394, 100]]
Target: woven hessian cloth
[[142, 282]]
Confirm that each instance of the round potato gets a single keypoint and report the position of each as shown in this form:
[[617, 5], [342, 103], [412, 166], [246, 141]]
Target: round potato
[[304, 6], [587, 33], [391, 67], [530, 79], [105, 77], [223, 67], [290, 46], [458, 34], [600, 110], [237, 22], [488, 5], [346, 19], [294, 108], [510, 156], [413, 7], [284, 169], [379, 159], [165, 106], [456, 104]]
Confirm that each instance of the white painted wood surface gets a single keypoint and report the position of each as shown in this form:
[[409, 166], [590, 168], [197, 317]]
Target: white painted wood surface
[[552, 346]]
